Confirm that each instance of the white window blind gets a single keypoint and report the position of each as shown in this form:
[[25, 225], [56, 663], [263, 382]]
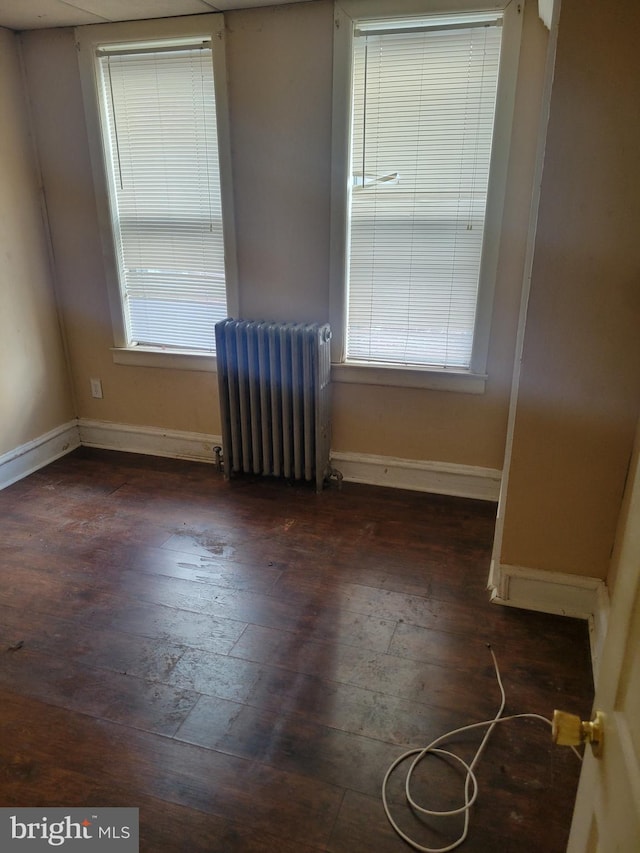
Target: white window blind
[[159, 121], [424, 95]]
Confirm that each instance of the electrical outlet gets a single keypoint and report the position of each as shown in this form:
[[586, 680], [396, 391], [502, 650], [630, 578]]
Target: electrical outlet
[[96, 388]]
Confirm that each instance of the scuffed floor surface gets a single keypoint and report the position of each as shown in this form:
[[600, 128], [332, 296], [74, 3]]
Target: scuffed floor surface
[[242, 661]]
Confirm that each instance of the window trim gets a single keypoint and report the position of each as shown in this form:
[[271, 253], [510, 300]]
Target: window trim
[[88, 40], [346, 13]]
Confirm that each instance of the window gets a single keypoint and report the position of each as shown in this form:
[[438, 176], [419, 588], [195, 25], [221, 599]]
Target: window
[[418, 185], [157, 105]]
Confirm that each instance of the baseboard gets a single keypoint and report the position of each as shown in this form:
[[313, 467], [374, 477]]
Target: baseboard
[[441, 478], [152, 441], [29, 457], [598, 626], [558, 593]]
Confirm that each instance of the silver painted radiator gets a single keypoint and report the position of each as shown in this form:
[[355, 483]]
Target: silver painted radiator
[[273, 380]]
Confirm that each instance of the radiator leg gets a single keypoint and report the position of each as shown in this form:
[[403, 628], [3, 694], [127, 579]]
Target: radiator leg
[[338, 475], [218, 454]]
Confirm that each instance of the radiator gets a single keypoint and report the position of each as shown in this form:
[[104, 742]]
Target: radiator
[[273, 380]]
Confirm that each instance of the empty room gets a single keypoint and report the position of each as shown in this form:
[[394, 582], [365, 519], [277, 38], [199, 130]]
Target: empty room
[[319, 406]]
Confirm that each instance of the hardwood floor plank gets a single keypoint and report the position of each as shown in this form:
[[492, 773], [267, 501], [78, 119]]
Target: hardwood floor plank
[[242, 791], [535, 636], [350, 708], [114, 696], [392, 675], [318, 619], [58, 593], [289, 741], [164, 622], [201, 569]]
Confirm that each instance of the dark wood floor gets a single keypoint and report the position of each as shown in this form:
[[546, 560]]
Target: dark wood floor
[[242, 661]]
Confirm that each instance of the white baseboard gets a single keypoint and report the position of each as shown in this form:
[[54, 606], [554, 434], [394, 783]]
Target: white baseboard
[[29, 457], [558, 593], [598, 626], [152, 441], [442, 478]]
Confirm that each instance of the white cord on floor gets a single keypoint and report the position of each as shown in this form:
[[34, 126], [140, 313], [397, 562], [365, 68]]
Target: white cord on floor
[[470, 779]]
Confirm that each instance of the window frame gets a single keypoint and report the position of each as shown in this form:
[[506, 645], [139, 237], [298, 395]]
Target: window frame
[[88, 40], [346, 14]]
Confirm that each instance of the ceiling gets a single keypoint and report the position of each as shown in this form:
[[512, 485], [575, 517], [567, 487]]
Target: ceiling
[[39, 14]]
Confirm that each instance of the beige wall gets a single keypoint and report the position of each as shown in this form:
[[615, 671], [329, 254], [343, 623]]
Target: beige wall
[[579, 392], [34, 388], [279, 62], [280, 67]]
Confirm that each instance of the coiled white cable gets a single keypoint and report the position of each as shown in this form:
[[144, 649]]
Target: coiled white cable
[[470, 779]]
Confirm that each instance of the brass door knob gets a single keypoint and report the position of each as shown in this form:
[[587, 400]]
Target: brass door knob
[[570, 730]]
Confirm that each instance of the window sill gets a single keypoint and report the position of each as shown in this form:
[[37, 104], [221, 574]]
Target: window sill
[[353, 373], [172, 359], [461, 381]]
